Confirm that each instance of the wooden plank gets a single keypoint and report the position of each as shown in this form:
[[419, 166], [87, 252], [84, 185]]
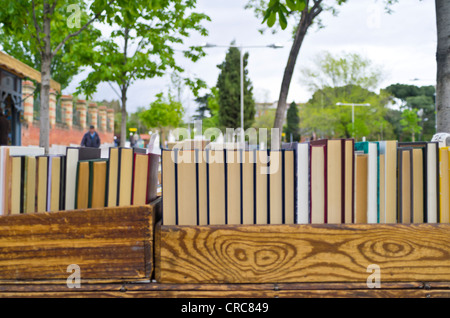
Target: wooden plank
[[359, 293], [154, 290], [113, 244], [302, 253]]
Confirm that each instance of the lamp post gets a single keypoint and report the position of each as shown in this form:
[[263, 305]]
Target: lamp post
[[353, 113], [241, 62]]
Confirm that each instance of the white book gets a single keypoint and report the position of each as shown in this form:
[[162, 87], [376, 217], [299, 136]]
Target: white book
[[432, 182], [71, 177], [303, 183], [372, 184]]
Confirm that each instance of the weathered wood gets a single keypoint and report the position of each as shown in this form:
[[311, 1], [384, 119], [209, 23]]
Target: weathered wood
[[112, 244], [155, 290], [302, 253], [360, 293]]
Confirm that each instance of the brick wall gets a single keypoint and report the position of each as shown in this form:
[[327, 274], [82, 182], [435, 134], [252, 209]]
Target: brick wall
[[60, 136]]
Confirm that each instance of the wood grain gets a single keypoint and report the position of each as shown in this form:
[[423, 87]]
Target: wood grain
[[297, 290], [109, 243], [302, 253]]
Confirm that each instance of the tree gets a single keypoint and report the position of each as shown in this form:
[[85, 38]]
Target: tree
[[304, 13], [443, 65], [228, 85], [344, 78], [293, 123], [163, 112], [422, 100], [64, 66], [203, 107], [46, 27], [410, 123], [140, 47]]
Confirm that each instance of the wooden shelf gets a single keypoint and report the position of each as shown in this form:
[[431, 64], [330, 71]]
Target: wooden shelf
[[301, 253]]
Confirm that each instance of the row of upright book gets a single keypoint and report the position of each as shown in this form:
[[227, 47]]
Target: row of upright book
[[31, 181], [324, 181]]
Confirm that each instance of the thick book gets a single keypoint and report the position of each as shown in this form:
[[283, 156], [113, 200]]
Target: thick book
[[169, 197], [140, 179], [217, 210], [29, 188], [16, 185], [361, 188], [186, 183], [54, 183], [444, 182], [348, 182], [303, 184], [73, 155], [125, 176], [41, 183], [405, 185], [318, 181], [82, 185], [112, 177], [289, 186], [152, 179], [233, 186], [262, 187], [97, 183], [275, 187], [388, 181], [373, 179], [248, 189]]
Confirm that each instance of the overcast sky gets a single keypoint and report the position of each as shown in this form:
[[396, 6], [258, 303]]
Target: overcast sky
[[403, 43]]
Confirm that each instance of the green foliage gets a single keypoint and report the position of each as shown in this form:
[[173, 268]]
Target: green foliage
[[410, 123], [140, 45], [163, 112], [322, 116], [422, 101], [134, 121], [229, 88], [347, 78], [331, 70], [293, 123]]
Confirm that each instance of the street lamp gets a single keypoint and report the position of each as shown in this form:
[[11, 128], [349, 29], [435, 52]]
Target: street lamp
[[353, 113], [241, 48]]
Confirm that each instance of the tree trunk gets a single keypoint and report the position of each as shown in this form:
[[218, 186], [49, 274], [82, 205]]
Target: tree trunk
[[46, 55], [123, 124], [443, 66], [289, 70]]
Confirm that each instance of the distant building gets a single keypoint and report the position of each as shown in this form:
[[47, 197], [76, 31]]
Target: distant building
[[69, 118]]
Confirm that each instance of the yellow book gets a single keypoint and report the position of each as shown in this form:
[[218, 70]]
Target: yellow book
[[98, 189], [187, 188], [202, 188], [30, 185], [82, 194], [261, 186], [233, 187], [361, 175], [168, 187], [444, 185], [41, 183], [216, 170], [16, 176]]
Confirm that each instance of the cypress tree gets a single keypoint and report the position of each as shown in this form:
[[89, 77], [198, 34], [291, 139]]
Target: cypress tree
[[293, 123], [229, 86]]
